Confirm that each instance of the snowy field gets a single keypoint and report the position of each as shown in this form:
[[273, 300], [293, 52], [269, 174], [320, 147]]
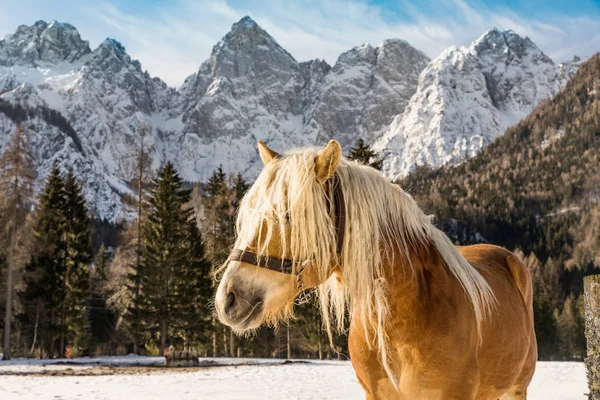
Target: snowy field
[[135, 378]]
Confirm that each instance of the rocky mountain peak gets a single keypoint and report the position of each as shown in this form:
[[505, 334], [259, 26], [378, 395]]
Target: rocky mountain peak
[[507, 44], [110, 57], [315, 69], [466, 98], [43, 42], [366, 88], [249, 50]]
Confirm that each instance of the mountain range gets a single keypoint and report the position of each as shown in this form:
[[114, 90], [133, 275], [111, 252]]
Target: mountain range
[[85, 108]]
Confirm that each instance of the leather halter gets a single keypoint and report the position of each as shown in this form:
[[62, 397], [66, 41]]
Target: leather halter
[[288, 266]]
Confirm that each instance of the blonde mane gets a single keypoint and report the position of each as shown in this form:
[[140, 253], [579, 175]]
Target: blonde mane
[[287, 200]]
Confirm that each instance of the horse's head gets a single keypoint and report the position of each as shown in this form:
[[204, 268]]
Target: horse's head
[[286, 240]]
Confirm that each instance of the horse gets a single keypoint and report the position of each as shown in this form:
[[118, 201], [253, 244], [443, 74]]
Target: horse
[[428, 320]]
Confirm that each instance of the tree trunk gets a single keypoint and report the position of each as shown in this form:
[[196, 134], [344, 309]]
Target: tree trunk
[[163, 336], [320, 349], [225, 351], [35, 329], [231, 343], [319, 339], [214, 336], [289, 345], [61, 343], [592, 333], [9, 290], [138, 250]]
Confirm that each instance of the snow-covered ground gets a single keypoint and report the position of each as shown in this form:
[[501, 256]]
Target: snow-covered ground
[[226, 379]]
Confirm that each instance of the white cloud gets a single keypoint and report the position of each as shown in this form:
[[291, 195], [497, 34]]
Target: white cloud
[[172, 41]]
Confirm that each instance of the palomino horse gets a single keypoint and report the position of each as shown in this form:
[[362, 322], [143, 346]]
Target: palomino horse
[[428, 320]]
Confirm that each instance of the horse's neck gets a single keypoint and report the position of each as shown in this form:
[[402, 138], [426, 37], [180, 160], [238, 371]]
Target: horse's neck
[[417, 286]]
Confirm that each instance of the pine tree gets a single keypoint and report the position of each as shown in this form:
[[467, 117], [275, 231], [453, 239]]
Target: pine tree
[[100, 264], [220, 200], [570, 328], [164, 253], [365, 155], [194, 287], [101, 319], [239, 189], [45, 291], [16, 182], [78, 256]]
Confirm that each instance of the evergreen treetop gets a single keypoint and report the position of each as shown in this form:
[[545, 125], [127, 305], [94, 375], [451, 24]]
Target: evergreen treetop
[[365, 155]]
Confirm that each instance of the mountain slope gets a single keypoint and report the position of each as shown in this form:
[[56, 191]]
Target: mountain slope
[[467, 97]]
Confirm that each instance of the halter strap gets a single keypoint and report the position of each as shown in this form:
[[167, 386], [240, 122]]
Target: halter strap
[[275, 264], [286, 266], [340, 212]]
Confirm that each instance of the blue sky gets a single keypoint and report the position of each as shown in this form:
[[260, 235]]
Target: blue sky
[[172, 38]]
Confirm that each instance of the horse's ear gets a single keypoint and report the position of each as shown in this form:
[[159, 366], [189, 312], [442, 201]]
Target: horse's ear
[[266, 154], [328, 160]]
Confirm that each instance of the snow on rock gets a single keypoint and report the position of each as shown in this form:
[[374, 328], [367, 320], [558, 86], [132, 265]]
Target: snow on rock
[[104, 95], [246, 379], [42, 43], [467, 97], [366, 88], [250, 88]]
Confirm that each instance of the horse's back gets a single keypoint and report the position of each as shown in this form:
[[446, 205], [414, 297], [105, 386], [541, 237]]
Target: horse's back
[[510, 334], [486, 256]]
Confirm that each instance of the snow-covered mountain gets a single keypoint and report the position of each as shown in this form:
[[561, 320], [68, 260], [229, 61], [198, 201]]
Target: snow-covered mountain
[[366, 86], [103, 94], [251, 88], [467, 97], [85, 108]]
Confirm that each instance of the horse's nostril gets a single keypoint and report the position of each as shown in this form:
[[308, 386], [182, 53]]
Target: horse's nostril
[[229, 301]]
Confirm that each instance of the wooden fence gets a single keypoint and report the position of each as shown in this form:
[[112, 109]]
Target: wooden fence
[[591, 286]]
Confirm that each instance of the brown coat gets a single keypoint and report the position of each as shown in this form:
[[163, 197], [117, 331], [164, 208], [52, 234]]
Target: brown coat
[[438, 353]]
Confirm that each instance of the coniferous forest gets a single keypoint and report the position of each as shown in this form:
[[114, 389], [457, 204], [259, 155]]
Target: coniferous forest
[[75, 285]]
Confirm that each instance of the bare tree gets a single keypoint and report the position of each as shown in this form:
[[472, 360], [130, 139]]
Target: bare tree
[[139, 182], [18, 174]]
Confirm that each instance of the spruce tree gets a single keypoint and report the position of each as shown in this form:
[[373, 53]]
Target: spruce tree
[[218, 227], [77, 258], [194, 288], [365, 155], [101, 319], [45, 291], [239, 188], [100, 264], [217, 205], [164, 253], [16, 182]]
